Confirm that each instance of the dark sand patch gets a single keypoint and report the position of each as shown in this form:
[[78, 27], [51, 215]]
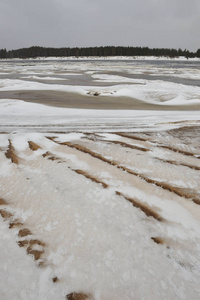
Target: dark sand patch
[[5, 214], [37, 242], [10, 153], [23, 243], [46, 154], [50, 156], [24, 232], [77, 296], [30, 248], [15, 224], [157, 240], [55, 279], [33, 146], [36, 253], [3, 202], [31, 242]]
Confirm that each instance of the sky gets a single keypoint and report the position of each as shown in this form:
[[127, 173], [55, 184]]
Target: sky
[[90, 23]]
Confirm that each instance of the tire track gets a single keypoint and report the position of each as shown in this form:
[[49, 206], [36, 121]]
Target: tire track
[[187, 153], [123, 144], [126, 145], [176, 163], [182, 192], [148, 211], [174, 149]]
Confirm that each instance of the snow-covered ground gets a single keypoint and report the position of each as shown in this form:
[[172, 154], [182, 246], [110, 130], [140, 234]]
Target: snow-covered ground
[[104, 204]]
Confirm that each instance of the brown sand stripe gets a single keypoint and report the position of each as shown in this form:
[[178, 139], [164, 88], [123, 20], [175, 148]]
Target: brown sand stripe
[[133, 137], [3, 202], [187, 153], [182, 192], [33, 146], [123, 144], [92, 134], [92, 153], [178, 191], [10, 153], [173, 162], [128, 145], [177, 150], [90, 177], [78, 171], [84, 150], [52, 138], [147, 210]]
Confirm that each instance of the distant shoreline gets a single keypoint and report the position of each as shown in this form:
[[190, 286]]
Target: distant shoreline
[[148, 58], [103, 51]]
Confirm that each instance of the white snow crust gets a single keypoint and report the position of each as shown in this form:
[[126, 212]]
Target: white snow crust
[[97, 242]]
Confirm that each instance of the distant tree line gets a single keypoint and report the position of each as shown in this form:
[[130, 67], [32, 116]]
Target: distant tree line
[[36, 51]]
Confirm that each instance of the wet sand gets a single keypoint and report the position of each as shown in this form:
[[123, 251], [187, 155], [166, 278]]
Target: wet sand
[[74, 100]]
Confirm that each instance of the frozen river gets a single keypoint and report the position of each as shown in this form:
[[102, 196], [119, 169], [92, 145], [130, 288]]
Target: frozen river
[[132, 88]]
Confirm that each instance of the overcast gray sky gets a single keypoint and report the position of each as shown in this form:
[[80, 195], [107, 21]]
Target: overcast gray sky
[[82, 23]]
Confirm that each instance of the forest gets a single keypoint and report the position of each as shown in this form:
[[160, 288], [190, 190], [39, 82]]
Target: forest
[[36, 51]]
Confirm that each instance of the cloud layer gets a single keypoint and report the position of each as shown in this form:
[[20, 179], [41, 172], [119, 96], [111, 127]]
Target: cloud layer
[[82, 23]]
